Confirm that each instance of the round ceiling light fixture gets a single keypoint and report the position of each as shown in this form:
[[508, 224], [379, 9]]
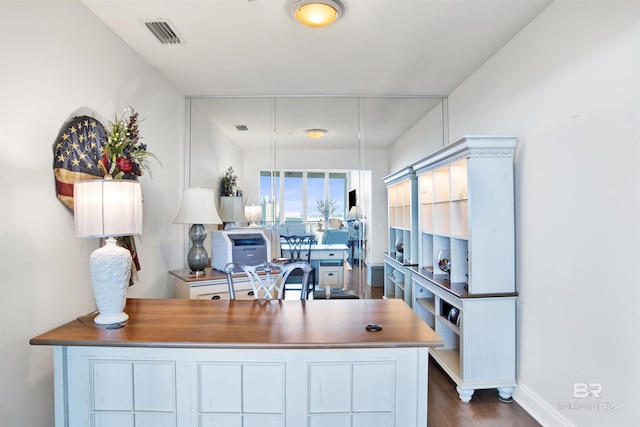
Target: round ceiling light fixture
[[316, 133], [317, 13]]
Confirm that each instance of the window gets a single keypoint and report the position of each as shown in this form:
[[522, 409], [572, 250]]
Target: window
[[292, 201], [303, 196], [270, 185], [338, 192], [315, 191]]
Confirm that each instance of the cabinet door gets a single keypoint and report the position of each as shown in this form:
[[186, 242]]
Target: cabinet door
[[122, 393]]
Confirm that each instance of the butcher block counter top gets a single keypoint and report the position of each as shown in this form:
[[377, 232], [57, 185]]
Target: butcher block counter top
[[295, 324]]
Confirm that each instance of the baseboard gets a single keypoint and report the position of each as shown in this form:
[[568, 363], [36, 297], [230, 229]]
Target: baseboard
[[545, 413]]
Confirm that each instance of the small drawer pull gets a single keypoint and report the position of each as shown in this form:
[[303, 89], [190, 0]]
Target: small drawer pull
[[215, 297]]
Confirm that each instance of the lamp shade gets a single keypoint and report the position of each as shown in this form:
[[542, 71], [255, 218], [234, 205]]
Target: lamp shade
[[198, 207], [355, 212], [253, 213], [231, 209], [107, 208]]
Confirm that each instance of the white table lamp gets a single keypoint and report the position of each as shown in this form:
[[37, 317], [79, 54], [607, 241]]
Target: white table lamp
[[198, 207], [355, 213], [253, 214], [108, 208], [231, 211]]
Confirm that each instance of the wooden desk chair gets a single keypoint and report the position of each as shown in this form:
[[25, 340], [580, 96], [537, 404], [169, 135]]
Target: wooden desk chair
[[300, 251], [268, 279]]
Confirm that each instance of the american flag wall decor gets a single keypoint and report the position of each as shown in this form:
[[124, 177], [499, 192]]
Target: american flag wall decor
[[76, 153]]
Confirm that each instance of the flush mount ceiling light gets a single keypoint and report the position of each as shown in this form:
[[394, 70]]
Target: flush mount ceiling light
[[317, 13], [315, 133]]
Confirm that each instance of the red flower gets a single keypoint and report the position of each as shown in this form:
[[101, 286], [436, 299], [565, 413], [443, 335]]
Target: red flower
[[124, 164], [105, 159]]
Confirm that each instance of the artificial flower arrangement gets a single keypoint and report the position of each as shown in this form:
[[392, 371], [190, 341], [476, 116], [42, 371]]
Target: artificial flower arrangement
[[124, 156]]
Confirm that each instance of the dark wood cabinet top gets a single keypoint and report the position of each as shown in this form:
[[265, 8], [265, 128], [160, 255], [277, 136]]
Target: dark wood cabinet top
[[458, 289], [251, 324]]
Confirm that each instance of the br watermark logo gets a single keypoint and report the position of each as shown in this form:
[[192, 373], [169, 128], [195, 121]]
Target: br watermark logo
[[587, 397], [584, 390]]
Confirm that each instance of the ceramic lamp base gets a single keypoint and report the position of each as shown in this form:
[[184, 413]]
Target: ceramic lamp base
[[110, 268], [197, 258]]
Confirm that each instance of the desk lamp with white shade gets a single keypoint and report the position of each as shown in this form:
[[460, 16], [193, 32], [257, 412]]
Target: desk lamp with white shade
[[231, 211], [253, 214], [198, 207], [109, 208]]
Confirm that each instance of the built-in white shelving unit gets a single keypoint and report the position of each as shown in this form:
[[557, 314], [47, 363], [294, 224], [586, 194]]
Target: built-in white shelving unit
[[402, 253], [466, 209]]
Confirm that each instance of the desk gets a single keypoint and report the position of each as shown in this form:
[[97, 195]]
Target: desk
[[212, 285], [332, 275], [194, 362], [320, 252]]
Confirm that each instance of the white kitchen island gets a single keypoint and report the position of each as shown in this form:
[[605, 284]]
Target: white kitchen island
[[244, 363]]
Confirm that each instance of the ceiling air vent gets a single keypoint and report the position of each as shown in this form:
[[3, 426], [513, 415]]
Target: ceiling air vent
[[241, 128], [164, 32]]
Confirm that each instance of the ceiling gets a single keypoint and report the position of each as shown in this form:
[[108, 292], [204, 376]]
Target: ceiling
[[377, 48]]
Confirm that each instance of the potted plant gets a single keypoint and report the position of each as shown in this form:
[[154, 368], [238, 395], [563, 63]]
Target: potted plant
[[229, 182], [326, 209]]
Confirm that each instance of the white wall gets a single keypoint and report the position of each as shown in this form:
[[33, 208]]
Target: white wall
[[57, 60], [568, 87], [425, 137], [210, 154]]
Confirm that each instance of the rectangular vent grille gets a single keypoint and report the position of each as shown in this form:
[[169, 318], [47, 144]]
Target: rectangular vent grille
[[163, 32], [242, 128]]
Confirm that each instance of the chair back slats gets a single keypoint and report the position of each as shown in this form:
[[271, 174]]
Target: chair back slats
[[299, 247], [267, 279]]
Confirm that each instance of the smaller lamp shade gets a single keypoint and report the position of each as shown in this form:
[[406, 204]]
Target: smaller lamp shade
[[231, 209], [107, 208], [355, 212], [198, 207], [253, 214]]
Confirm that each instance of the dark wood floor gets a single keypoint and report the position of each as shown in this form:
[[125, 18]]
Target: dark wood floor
[[445, 409]]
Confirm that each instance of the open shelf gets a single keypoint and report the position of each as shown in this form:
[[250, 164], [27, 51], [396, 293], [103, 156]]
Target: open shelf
[[449, 360], [428, 303], [465, 204]]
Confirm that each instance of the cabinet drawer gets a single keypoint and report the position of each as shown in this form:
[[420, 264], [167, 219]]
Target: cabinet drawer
[[240, 294], [243, 291], [331, 276]]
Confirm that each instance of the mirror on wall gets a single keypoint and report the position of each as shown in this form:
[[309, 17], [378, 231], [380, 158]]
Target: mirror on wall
[[299, 176]]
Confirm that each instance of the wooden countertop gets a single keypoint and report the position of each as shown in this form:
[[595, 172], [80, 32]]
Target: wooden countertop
[[251, 324]]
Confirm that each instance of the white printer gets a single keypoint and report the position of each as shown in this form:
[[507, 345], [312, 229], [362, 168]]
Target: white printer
[[246, 245]]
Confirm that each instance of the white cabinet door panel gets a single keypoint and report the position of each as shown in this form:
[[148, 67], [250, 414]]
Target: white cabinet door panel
[[374, 387], [329, 388], [263, 388], [112, 386], [155, 386], [220, 387]]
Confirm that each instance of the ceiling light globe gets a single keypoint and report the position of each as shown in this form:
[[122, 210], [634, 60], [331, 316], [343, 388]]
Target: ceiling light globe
[[316, 133], [318, 13]]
